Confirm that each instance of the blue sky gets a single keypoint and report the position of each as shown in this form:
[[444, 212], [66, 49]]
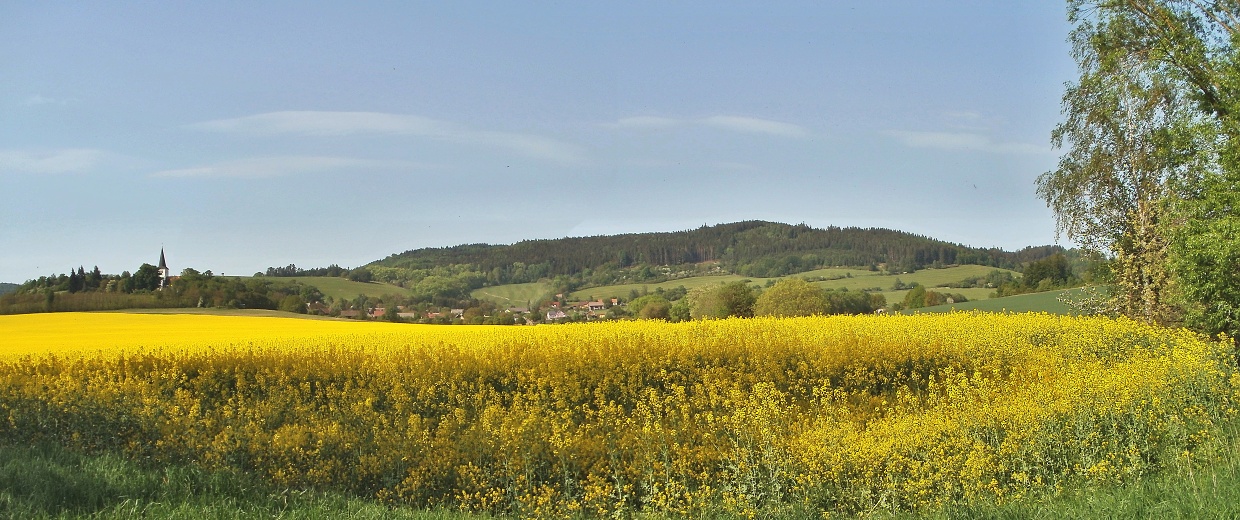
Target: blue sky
[[241, 136]]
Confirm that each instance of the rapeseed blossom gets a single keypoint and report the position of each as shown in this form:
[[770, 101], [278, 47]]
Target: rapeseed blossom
[[753, 416]]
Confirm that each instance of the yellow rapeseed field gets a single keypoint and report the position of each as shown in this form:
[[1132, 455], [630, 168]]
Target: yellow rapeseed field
[[756, 416]]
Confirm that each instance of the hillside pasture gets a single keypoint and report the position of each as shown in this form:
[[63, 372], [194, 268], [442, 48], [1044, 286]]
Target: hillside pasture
[[930, 278], [623, 291], [338, 288], [513, 295]]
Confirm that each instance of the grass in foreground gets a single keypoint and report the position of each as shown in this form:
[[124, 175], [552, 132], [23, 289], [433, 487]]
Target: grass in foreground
[[50, 482], [1211, 490]]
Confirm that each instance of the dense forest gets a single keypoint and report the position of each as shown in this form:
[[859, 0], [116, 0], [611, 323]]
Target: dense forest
[[751, 248]]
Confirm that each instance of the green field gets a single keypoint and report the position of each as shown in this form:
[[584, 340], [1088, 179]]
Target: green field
[[930, 278], [851, 279], [513, 295], [339, 288], [1035, 302], [972, 293]]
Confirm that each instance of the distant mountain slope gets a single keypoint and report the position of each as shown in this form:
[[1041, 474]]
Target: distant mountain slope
[[752, 248], [6, 288]]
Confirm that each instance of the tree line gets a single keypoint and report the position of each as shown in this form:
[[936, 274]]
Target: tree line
[[81, 290]]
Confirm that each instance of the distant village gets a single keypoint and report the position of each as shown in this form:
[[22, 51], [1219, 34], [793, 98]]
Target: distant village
[[559, 311]]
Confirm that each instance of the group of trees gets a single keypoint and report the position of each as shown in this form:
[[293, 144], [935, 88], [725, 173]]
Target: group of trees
[[787, 297], [1150, 174], [81, 290], [292, 270], [146, 278]]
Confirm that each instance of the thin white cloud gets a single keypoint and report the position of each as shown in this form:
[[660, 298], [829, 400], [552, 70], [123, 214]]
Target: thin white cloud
[[742, 124], [649, 122], [261, 167], [756, 126], [965, 141], [322, 123], [966, 120], [66, 160]]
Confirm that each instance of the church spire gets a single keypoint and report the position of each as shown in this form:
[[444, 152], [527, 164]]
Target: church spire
[[163, 270]]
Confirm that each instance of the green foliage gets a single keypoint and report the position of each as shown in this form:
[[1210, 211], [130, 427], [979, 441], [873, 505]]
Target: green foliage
[[651, 307], [292, 303], [723, 301], [680, 311], [146, 278], [361, 274], [915, 298], [1136, 139], [1151, 175], [1050, 272], [792, 297], [1205, 256]]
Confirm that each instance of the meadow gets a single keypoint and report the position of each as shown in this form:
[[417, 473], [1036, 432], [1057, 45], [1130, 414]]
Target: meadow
[[1049, 301], [837, 278], [341, 288], [729, 418]]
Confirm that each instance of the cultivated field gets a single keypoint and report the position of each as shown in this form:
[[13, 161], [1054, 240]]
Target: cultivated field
[[753, 418]]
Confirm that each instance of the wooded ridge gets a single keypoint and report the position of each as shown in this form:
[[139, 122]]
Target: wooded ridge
[[750, 248]]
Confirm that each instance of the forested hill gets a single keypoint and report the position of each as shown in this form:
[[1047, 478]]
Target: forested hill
[[751, 248], [6, 288]]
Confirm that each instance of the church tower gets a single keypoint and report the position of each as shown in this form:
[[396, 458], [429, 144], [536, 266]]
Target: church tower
[[163, 270]]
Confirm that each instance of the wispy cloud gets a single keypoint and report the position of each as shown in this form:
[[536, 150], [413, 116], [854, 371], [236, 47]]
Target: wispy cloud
[[66, 160], [755, 126], [965, 141], [966, 120], [742, 124], [39, 99], [650, 122], [280, 166], [322, 123]]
